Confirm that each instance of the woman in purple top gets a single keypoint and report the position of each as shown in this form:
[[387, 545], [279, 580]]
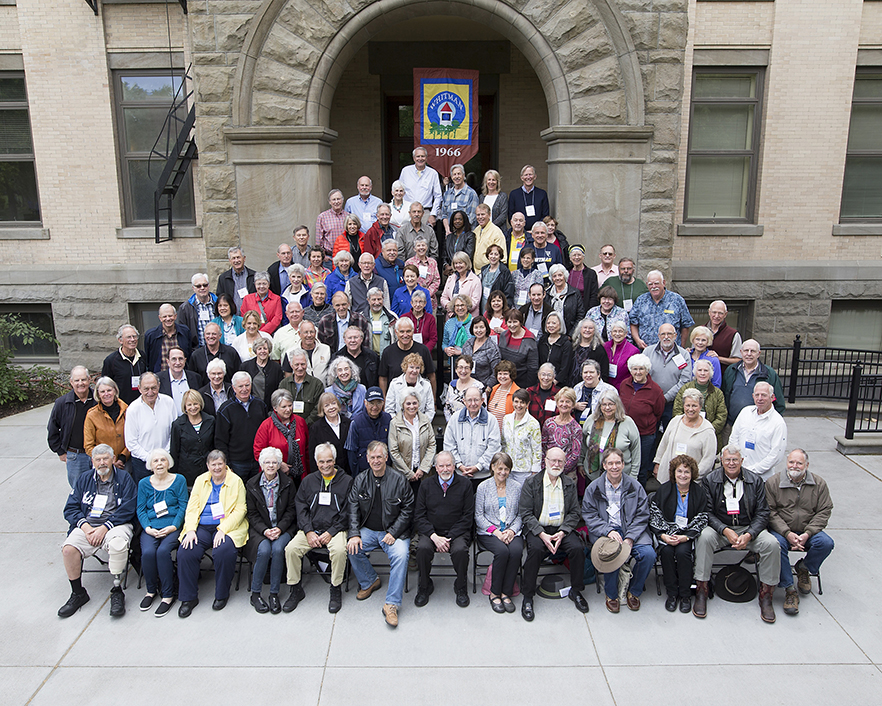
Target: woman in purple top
[[619, 351]]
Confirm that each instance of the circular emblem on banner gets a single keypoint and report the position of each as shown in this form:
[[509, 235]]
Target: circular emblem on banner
[[447, 107]]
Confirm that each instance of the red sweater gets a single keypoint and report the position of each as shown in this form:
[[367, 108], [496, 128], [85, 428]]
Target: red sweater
[[267, 435], [645, 406]]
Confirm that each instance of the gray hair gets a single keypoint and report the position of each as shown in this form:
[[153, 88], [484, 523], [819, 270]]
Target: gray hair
[[402, 320], [326, 446], [237, 249], [318, 285], [260, 343], [198, 276], [269, 453], [334, 191], [457, 166], [156, 453], [297, 353], [374, 290], [444, 453], [343, 255], [461, 256], [215, 455], [702, 362], [119, 331], [639, 360], [556, 315], [148, 374], [547, 366], [396, 185], [693, 394], [656, 273], [280, 395], [618, 324], [577, 334], [803, 452], [376, 444], [81, 368], [170, 306], [620, 408], [216, 364], [103, 380], [391, 241], [261, 277], [418, 149], [296, 267], [241, 375], [767, 384], [102, 450], [731, 449], [331, 375], [592, 364], [555, 268], [417, 293]]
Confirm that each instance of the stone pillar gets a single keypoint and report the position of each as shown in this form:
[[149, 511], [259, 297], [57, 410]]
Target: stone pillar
[[283, 175], [594, 184]]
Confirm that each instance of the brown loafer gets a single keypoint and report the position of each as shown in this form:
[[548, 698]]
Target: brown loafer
[[612, 605], [366, 592], [633, 602]]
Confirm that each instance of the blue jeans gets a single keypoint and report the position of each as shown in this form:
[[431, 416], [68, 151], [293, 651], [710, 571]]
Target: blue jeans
[[398, 554], [157, 564], [819, 547], [644, 559], [77, 463], [270, 553]]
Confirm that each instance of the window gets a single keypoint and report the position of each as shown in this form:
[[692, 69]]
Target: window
[[856, 325], [41, 350], [143, 100], [144, 316], [724, 130], [740, 316], [19, 203], [862, 185]]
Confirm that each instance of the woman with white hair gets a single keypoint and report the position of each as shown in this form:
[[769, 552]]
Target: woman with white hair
[[162, 501], [609, 427], [644, 402], [587, 344], [344, 382], [619, 350], [270, 499], [298, 290], [285, 431], [701, 339], [688, 433], [343, 272], [565, 299], [714, 406], [400, 207]]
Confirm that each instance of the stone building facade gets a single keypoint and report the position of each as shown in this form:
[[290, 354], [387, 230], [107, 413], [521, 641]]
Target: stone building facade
[[293, 97]]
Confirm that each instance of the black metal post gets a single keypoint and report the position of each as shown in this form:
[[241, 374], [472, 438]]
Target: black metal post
[[853, 400], [794, 369]]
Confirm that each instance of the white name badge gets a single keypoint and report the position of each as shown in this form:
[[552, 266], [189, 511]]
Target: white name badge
[[324, 498], [531, 211], [204, 315], [217, 511], [424, 270], [679, 361], [550, 405], [474, 367], [542, 267], [242, 292], [553, 512], [486, 292], [681, 449], [612, 509], [98, 505], [495, 338], [750, 442], [586, 413], [160, 508], [376, 326], [298, 407], [703, 414], [681, 521], [418, 337], [502, 514], [521, 298], [135, 382], [495, 322], [534, 331], [732, 506], [613, 370], [628, 304]]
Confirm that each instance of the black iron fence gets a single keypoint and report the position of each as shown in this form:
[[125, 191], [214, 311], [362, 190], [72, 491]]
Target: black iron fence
[[845, 374]]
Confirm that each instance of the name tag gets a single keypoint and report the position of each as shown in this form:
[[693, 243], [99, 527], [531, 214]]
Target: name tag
[[703, 414], [242, 292], [495, 322], [98, 506], [531, 211], [679, 361], [613, 370], [324, 498], [586, 413], [750, 442], [733, 507], [135, 381], [681, 521], [160, 508], [204, 315], [628, 304], [521, 298], [217, 511], [424, 270], [542, 267], [534, 331], [486, 292], [612, 509], [502, 515], [418, 337], [298, 406], [376, 326], [670, 311], [553, 512], [474, 367], [495, 338], [550, 405], [681, 449]]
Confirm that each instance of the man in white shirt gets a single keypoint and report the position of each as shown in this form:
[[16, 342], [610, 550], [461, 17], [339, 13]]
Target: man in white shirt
[[148, 424], [761, 433], [422, 185]]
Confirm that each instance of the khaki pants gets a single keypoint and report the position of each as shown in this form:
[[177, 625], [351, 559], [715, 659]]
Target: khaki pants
[[764, 544], [116, 544], [298, 547]]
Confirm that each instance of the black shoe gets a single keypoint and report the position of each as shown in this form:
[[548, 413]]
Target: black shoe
[[336, 601], [527, 610], [462, 598], [671, 604], [186, 608], [686, 604], [496, 604], [577, 598], [508, 604], [74, 603], [219, 603], [147, 601], [259, 604], [163, 608], [294, 598], [422, 597], [274, 605], [117, 602]]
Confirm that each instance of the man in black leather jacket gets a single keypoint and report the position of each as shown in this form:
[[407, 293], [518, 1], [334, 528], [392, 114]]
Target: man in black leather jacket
[[381, 508]]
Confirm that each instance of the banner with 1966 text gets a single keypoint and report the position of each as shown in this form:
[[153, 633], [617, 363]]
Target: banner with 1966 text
[[445, 113]]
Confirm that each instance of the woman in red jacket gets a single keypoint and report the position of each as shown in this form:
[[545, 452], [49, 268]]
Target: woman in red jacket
[[287, 432], [644, 402]]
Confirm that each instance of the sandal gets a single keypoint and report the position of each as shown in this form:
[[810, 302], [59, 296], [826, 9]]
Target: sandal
[[507, 605], [496, 604]]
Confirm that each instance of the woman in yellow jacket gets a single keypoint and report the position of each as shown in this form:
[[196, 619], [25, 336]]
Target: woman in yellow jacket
[[215, 519]]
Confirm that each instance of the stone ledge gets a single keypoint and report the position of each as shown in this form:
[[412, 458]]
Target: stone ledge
[[861, 445], [149, 232], [775, 270], [11, 62], [25, 233], [857, 229], [731, 57], [107, 275], [720, 229]]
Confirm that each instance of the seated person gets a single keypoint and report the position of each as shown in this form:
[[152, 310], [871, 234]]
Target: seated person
[[322, 514], [162, 500], [445, 510], [269, 497], [99, 510], [216, 520], [615, 506], [473, 436], [380, 515], [549, 510]]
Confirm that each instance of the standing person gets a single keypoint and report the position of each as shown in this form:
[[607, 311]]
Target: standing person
[[701, 338], [452, 398], [587, 345], [329, 224], [690, 433], [127, 364], [348, 239], [494, 198], [342, 273], [607, 267], [332, 428], [364, 204], [483, 352], [619, 351], [522, 438], [456, 329], [583, 278], [525, 275], [528, 199], [67, 423], [626, 284], [236, 425], [557, 237], [644, 402], [238, 281], [589, 390], [460, 238], [391, 267], [472, 437], [212, 350], [399, 207], [288, 433], [159, 340], [609, 427], [427, 269], [519, 346], [265, 303], [300, 253], [555, 348], [460, 197], [487, 234], [516, 239], [425, 325], [148, 424], [415, 228], [463, 282], [564, 299], [380, 232], [422, 185], [228, 320], [315, 271], [244, 343], [401, 302], [278, 271], [714, 405], [608, 312], [199, 309], [192, 437], [370, 425], [563, 432], [659, 306], [545, 255], [106, 421], [412, 440], [495, 276], [726, 342]]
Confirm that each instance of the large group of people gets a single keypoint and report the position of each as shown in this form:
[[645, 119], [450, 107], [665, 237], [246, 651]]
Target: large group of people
[[291, 415]]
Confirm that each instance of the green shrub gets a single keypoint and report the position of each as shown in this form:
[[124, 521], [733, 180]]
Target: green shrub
[[18, 384]]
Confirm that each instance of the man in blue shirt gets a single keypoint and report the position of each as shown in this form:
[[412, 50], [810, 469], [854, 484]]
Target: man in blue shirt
[[389, 266], [460, 197], [364, 204], [659, 306], [546, 254]]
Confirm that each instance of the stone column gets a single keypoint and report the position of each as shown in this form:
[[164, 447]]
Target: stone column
[[594, 184], [283, 175]]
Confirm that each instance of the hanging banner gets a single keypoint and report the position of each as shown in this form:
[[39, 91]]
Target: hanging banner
[[445, 114]]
